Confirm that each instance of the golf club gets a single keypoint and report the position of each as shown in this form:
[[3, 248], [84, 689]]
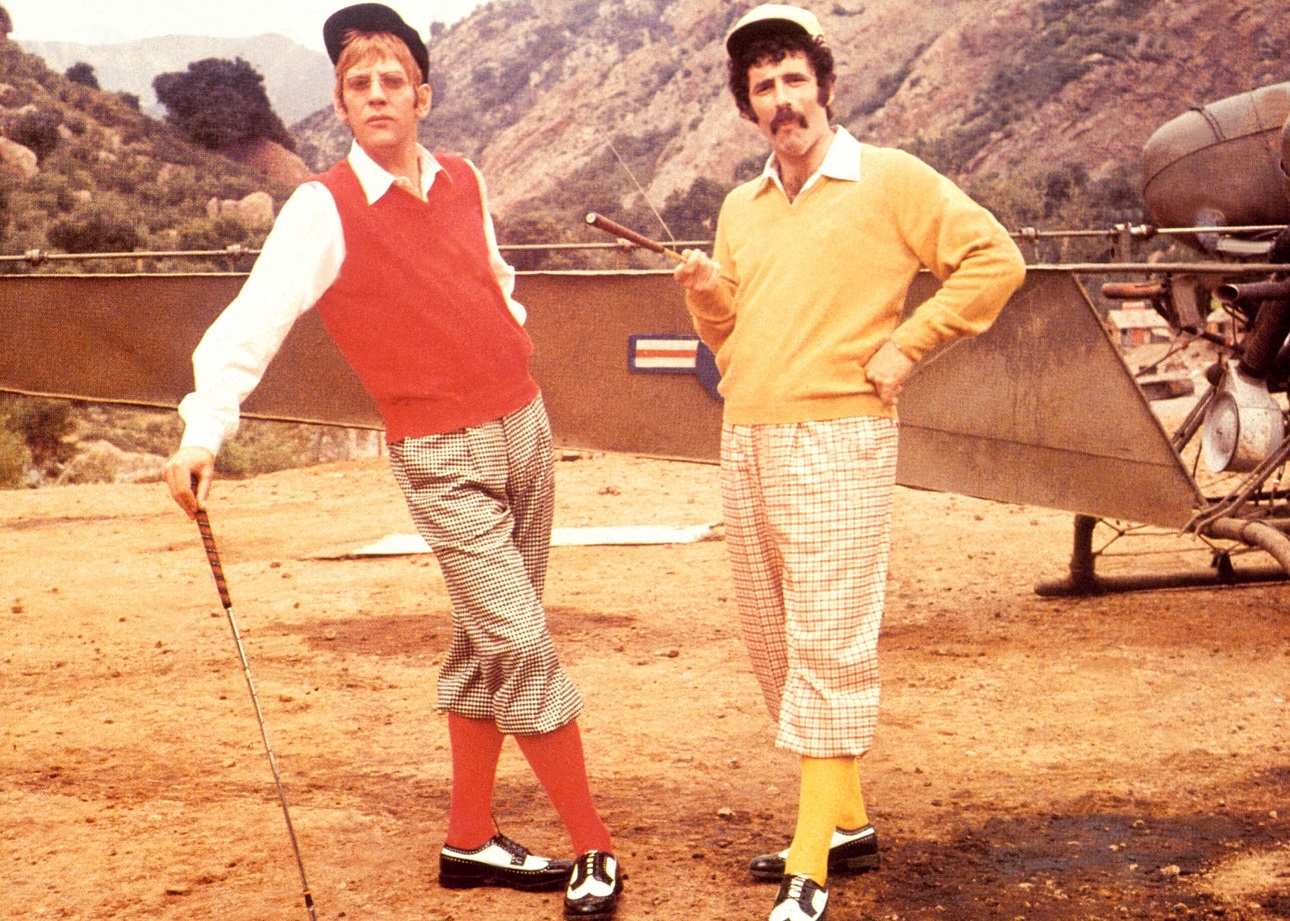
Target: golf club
[[600, 222], [212, 555]]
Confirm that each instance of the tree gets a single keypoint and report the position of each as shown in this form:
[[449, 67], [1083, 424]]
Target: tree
[[37, 130], [692, 214], [218, 103], [83, 73]]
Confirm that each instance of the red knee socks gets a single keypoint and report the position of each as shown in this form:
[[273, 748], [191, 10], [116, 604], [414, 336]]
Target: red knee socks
[[476, 745], [557, 760]]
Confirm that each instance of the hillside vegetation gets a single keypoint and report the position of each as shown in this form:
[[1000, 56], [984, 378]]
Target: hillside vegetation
[[85, 171], [1040, 109]]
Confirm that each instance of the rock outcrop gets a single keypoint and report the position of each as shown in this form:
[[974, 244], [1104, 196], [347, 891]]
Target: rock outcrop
[[271, 159], [255, 210], [15, 158]]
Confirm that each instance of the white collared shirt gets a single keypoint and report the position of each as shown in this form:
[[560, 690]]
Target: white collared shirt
[[842, 161], [300, 260]]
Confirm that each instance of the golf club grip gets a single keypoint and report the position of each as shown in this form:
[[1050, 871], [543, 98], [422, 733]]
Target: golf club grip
[[212, 555], [601, 222]]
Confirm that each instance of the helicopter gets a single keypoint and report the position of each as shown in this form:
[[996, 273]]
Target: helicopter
[[1219, 173]]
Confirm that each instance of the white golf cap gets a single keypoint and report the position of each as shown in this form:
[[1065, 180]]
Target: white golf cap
[[771, 17]]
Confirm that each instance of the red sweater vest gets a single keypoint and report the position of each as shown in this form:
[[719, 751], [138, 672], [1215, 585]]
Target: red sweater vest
[[417, 311]]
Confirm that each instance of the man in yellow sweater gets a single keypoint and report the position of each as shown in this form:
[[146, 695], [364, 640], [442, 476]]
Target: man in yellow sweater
[[801, 302]]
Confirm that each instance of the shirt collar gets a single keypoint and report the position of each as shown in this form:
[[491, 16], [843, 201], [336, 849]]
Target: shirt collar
[[376, 181], [841, 162]]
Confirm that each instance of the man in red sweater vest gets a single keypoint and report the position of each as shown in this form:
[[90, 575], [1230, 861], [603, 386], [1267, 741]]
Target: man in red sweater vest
[[395, 248]]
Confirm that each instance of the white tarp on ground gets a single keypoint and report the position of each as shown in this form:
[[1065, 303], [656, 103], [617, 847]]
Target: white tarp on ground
[[618, 535]]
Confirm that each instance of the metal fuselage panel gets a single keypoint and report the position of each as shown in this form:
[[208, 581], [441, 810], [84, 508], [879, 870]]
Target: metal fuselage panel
[[1039, 410], [130, 339]]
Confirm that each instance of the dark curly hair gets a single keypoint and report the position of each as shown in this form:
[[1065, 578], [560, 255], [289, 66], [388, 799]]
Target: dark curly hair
[[771, 48]]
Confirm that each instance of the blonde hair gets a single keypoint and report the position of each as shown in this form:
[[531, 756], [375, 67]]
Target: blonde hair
[[365, 47]]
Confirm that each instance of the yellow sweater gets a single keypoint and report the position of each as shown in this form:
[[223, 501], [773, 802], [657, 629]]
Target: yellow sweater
[[810, 289]]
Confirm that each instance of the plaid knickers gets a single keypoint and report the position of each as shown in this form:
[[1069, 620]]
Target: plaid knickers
[[483, 498], [808, 526]]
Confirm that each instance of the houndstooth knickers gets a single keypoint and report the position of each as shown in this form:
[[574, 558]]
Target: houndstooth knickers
[[808, 527], [483, 498]]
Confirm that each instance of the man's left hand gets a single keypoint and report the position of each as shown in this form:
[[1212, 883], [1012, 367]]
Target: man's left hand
[[697, 272], [888, 369]]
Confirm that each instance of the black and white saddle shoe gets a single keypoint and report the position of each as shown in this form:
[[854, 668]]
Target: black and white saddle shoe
[[800, 899], [593, 887], [499, 861], [851, 852]]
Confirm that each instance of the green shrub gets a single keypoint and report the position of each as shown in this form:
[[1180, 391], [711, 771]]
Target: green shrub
[[45, 427], [1063, 196], [95, 466], [37, 130], [692, 215], [97, 233], [15, 459], [82, 73], [217, 103], [147, 431], [255, 450]]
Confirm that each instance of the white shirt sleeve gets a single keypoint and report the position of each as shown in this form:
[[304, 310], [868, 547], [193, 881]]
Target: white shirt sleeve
[[300, 259], [502, 270]]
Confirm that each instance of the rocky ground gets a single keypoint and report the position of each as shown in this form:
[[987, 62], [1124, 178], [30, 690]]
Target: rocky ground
[[1103, 758]]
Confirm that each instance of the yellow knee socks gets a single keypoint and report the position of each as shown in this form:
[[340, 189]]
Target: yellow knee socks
[[828, 788], [853, 814]]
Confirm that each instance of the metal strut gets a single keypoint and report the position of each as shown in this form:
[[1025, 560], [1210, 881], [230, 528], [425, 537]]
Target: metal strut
[[1083, 580]]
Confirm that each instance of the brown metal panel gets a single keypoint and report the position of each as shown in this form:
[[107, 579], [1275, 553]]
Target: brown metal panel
[[581, 325], [130, 339], [1041, 410]]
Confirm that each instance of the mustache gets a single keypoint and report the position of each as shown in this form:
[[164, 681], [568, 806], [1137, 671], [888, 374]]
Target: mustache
[[785, 115]]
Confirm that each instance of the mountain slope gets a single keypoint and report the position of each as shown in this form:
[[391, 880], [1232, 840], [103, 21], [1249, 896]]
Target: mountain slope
[[991, 91]]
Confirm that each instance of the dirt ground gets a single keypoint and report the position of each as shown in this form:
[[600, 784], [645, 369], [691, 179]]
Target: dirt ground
[[1105, 758]]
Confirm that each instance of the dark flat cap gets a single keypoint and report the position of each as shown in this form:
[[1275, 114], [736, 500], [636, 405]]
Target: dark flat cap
[[373, 17]]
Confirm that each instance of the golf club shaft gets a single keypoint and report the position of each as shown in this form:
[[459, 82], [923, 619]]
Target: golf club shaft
[[212, 555], [600, 222]]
